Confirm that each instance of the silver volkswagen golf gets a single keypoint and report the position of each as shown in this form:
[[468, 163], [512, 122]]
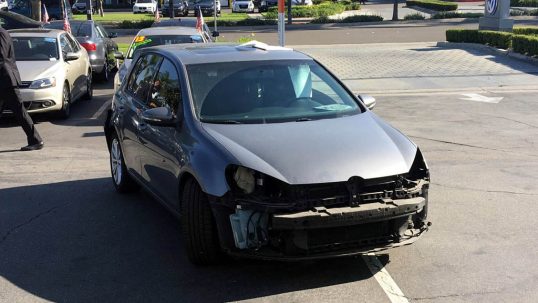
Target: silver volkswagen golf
[[263, 153]]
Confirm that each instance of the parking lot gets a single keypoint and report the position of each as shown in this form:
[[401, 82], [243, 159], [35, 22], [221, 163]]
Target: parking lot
[[66, 235]]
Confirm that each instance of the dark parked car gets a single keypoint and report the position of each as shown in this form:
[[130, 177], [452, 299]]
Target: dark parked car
[[79, 7], [263, 153], [207, 7], [264, 5], [181, 8], [54, 10], [97, 41], [10, 20]]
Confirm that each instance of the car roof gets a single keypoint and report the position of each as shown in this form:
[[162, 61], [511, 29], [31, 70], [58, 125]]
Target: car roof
[[18, 17], [176, 30], [35, 32], [175, 22], [216, 53]]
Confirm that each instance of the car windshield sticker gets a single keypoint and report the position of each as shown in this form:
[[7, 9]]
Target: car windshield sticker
[[50, 39], [333, 107], [302, 80], [139, 42]]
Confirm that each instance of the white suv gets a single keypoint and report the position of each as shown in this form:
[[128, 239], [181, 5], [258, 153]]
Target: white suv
[[145, 6]]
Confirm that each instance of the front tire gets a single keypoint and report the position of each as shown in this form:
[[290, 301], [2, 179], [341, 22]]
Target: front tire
[[198, 226], [65, 112], [123, 182]]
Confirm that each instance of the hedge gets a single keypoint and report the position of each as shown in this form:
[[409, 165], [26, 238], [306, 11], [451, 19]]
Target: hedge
[[313, 11], [435, 5], [524, 3], [493, 38], [414, 16], [525, 30], [361, 18], [449, 15], [525, 44]]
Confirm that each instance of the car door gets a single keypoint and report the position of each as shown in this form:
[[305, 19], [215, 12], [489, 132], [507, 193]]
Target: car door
[[162, 148], [79, 66], [71, 69], [133, 101], [109, 45]]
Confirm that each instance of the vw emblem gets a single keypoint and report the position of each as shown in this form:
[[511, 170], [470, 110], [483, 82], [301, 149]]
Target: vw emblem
[[491, 6]]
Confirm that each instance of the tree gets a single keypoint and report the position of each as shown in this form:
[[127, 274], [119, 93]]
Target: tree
[[100, 8], [395, 11], [36, 9]]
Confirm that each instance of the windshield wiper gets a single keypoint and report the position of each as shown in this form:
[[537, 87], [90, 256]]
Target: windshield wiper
[[221, 121], [303, 119]]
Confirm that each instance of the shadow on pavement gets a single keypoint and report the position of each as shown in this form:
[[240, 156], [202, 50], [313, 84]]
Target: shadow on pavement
[[81, 241]]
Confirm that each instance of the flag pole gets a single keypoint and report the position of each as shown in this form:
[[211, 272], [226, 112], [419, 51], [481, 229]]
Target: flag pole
[[281, 25]]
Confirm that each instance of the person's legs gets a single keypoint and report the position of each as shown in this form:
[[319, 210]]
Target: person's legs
[[13, 99]]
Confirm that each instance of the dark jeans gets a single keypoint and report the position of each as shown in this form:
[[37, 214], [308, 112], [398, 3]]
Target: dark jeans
[[11, 99]]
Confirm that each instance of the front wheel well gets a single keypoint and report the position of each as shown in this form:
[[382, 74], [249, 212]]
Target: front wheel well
[[183, 178]]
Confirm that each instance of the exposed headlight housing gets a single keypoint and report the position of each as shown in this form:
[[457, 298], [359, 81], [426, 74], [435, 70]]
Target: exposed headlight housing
[[244, 179], [43, 83]]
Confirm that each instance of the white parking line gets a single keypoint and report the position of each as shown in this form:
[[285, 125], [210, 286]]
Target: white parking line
[[101, 109], [382, 277]]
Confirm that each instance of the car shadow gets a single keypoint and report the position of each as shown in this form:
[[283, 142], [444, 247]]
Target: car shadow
[[81, 241]]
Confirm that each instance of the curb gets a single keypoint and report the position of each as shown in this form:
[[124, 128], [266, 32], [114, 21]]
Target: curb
[[491, 49]]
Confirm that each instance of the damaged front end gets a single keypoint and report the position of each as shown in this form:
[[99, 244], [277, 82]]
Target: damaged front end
[[263, 217]]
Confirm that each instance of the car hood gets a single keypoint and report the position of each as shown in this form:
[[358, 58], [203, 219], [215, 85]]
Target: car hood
[[34, 70], [320, 151]]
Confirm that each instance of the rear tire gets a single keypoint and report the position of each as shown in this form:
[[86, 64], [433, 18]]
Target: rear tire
[[103, 75], [123, 182], [89, 86], [198, 226]]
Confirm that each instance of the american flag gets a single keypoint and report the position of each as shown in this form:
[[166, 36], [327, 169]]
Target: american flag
[[199, 20], [44, 14], [67, 25]]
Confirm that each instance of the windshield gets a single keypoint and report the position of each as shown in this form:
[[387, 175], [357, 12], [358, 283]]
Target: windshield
[[35, 49], [203, 1], [267, 92], [147, 41], [143, 1]]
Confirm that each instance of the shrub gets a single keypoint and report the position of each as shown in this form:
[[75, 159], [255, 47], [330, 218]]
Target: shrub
[[449, 15], [415, 16], [361, 18], [525, 30], [136, 24], [497, 39], [525, 44], [314, 11], [322, 19], [524, 3], [462, 35], [245, 22], [433, 5]]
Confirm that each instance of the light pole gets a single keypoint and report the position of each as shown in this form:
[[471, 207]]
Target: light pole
[[214, 15]]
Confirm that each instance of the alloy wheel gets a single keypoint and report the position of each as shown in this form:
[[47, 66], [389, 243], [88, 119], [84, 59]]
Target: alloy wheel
[[116, 161]]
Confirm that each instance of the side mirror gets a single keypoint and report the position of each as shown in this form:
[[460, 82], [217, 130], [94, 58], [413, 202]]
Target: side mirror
[[215, 34], [368, 100], [160, 116], [113, 35], [71, 56], [119, 55]]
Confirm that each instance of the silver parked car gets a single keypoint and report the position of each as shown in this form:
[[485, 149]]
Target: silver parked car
[[97, 42], [55, 70], [263, 153], [156, 36]]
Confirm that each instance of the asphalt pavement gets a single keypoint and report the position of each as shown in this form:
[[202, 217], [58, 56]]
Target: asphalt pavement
[[66, 235]]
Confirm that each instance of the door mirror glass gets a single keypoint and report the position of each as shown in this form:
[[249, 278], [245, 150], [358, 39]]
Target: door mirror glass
[[71, 56], [368, 100], [160, 116]]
